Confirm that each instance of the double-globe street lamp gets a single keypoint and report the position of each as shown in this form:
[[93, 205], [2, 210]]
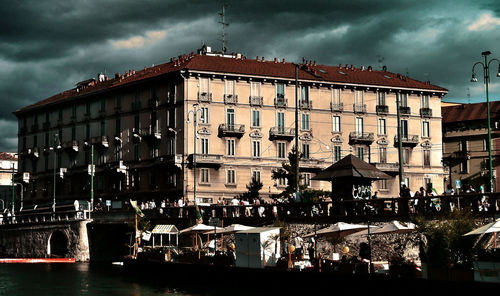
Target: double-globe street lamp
[[194, 114], [486, 66]]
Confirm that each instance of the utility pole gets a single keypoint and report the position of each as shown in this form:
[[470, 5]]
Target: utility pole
[[296, 130], [400, 140]]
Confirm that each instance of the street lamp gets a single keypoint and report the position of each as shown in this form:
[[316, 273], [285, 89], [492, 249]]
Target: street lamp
[[194, 113], [57, 145], [486, 66]]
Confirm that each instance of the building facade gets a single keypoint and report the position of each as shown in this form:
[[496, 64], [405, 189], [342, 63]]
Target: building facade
[[8, 166], [466, 145], [141, 127]]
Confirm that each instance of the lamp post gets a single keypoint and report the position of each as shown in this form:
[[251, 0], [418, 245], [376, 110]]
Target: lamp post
[[194, 113], [486, 66], [56, 146]]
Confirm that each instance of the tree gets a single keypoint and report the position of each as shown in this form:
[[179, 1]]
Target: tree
[[253, 190], [287, 171]]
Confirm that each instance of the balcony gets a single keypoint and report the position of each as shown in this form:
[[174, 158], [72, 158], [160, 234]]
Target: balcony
[[336, 107], [303, 104], [136, 135], [280, 102], [204, 97], [70, 146], [231, 130], [150, 133], [408, 140], [281, 133], [404, 110], [256, 101], [361, 138], [382, 109], [311, 165], [426, 112], [359, 108], [231, 99], [461, 154], [101, 142], [390, 168], [205, 161]]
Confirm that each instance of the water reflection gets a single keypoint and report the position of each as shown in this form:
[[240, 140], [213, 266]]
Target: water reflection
[[74, 279]]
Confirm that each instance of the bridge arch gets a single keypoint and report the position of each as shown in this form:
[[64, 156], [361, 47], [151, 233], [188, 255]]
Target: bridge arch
[[58, 244]]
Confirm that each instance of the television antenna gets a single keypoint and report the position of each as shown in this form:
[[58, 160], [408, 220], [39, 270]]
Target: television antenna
[[224, 25]]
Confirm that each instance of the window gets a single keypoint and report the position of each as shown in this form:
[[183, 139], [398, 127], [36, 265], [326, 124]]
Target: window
[[305, 122], [382, 150], [464, 166], [404, 129], [382, 127], [382, 185], [204, 86], [406, 155], [103, 128], [171, 146], [118, 102], [406, 181], [358, 97], [136, 122], [336, 124], [281, 150], [35, 140], [306, 179], [381, 98], [230, 147], [403, 100], [336, 96], [360, 152], [154, 150], [231, 176], [60, 115], [255, 89], [427, 183], [205, 115], [462, 145], [73, 133], [230, 119], [337, 154], [118, 152], [229, 87], [256, 176], [73, 111], [118, 127], [154, 121], [256, 148], [359, 126], [103, 105], [137, 152], [87, 109], [427, 158], [204, 146], [304, 93], [255, 118], [485, 145], [282, 182], [280, 121], [204, 175], [280, 90], [425, 101], [305, 150], [425, 129]]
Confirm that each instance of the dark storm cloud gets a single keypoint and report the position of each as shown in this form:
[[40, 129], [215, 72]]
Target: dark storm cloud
[[48, 46]]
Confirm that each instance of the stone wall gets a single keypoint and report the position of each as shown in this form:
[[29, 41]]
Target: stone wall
[[53, 239]]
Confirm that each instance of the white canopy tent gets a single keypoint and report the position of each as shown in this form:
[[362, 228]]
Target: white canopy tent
[[391, 227], [161, 229]]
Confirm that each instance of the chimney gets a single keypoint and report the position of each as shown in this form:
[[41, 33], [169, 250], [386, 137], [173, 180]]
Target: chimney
[[314, 63], [303, 60], [346, 66], [117, 75], [352, 67], [257, 58], [262, 58], [369, 68], [362, 68], [340, 66], [283, 60], [275, 60]]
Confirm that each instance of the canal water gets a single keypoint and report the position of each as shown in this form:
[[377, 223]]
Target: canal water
[[78, 279]]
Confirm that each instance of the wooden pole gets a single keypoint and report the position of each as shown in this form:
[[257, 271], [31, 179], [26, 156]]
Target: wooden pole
[[494, 240], [222, 238]]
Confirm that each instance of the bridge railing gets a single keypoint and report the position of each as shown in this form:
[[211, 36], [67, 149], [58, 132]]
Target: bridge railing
[[485, 204], [44, 216]]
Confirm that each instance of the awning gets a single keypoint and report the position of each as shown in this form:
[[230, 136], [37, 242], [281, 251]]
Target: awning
[[165, 229], [351, 167]]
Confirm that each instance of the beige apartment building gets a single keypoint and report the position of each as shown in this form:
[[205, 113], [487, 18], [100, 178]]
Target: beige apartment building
[[141, 125], [8, 166]]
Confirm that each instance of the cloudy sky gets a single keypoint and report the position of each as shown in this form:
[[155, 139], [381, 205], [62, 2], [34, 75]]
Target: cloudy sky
[[48, 46]]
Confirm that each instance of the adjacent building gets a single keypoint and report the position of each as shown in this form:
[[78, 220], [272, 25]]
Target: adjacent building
[[8, 166], [466, 145], [140, 125]]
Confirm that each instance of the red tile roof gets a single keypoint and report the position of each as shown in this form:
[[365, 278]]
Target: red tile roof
[[469, 112], [8, 156], [252, 67]]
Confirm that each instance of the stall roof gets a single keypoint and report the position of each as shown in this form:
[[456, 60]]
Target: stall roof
[[165, 229], [351, 167], [258, 229]]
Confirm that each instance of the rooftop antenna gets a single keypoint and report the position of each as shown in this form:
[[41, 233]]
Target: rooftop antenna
[[224, 25]]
